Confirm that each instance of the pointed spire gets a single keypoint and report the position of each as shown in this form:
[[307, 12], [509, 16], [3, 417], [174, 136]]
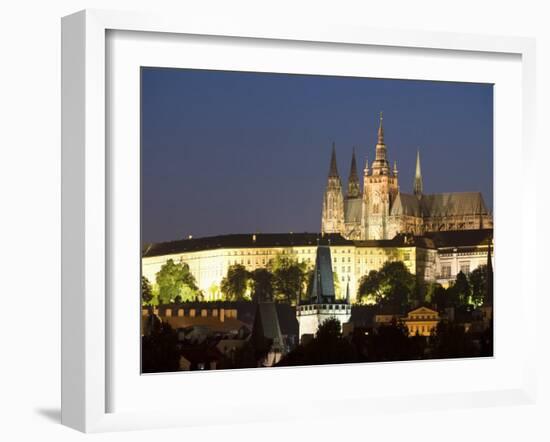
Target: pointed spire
[[380, 165], [366, 170], [418, 184], [395, 171], [333, 172], [353, 181], [353, 168], [381, 130]]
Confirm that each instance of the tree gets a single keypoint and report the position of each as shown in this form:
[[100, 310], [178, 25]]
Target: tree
[[440, 297], [392, 286], [369, 288], [327, 347], [289, 278], [213, 291], [146, 291], [235, 284], [460, 292], [262, 285], [175, 279], [390, 343], [478, 283]]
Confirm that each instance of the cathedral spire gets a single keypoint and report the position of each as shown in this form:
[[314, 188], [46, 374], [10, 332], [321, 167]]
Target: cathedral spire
[[353, 181], [395, 171], [333, 172], [381, 130], [380, 165], [418, 185]]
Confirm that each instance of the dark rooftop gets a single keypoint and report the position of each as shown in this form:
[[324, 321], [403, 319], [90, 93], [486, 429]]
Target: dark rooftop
[[262, 240], [461, 238]]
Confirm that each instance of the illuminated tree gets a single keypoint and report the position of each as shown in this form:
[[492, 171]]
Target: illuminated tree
[[478, 283], [392, 286], [175, 280], [289, 278]]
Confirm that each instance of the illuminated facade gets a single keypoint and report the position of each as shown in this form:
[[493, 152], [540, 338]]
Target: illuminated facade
[[434, 257], [421, 321], [381, 211]]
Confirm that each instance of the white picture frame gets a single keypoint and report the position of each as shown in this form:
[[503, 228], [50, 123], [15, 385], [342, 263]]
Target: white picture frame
[[85, 210]]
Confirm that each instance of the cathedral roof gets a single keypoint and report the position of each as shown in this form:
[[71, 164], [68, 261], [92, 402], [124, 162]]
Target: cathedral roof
[[406, 204], [455, 203], [353, 210], [439, 204]]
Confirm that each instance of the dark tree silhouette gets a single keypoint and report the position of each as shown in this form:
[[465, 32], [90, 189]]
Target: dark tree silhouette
[[235, 283], [460, 292], [262, 285], [159, 347], [327, 347], [450, 340], [478, 283], [146, 291]]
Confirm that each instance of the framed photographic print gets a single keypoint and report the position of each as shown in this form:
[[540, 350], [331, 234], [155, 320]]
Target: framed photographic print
[[271, 215]]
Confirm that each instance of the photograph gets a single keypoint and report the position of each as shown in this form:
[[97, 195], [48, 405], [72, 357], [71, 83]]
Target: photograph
[[300, 220]]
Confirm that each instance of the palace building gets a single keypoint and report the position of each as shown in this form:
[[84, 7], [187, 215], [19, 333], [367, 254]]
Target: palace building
[[381, 211], [435, 256]]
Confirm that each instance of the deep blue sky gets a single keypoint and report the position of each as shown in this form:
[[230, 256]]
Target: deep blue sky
[[235, 152]]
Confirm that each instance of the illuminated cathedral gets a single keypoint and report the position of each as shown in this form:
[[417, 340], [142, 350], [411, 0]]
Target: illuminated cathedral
[[379, 210]]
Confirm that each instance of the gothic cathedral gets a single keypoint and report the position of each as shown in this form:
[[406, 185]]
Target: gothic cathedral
[[381, 211]]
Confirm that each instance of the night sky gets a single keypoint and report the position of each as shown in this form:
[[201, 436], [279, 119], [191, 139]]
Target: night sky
[[234, 152]]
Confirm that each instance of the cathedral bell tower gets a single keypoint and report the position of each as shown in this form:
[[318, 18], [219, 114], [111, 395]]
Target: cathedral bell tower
[[332, 220], [380, 187]]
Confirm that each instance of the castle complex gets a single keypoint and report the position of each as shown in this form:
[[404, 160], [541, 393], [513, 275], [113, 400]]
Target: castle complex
[[435, 235], [381, 211]]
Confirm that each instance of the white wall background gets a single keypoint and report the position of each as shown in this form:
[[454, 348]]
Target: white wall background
[[30, 214]]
